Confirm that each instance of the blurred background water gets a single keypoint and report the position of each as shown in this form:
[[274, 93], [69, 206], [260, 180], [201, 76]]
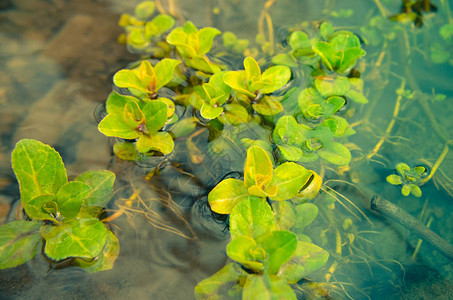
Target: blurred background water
[[57, 59]]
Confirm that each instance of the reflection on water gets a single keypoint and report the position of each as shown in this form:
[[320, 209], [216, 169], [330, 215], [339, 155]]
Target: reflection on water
[[57, 61]]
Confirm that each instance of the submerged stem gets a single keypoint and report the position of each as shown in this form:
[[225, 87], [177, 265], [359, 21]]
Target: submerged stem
[[391, 124]]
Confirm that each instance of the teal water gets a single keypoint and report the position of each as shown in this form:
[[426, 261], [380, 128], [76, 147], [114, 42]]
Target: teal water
[[57, 59]]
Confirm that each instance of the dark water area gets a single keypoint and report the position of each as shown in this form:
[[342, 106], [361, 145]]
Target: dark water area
[[57, 60]]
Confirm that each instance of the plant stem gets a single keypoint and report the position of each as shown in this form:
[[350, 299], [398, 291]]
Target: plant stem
[[120, 212], [270, 27], [419, 243], [391, 124], [437, 164], [380, 7]]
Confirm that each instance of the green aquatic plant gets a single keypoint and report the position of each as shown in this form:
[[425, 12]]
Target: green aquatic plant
[[301, 143], [193, 44], [131, 119], [340, 53], [260, 180], [146, 80], [63, 215], [409, 178], [266, 259], [212, 97], [143, 34], [255, 85]]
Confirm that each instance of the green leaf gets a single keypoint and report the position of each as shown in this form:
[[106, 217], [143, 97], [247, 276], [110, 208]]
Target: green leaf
[[128, 79], [277, 76], [18, 242], [39, 210], [406, 190], [125, 150], [415, 190], [252, 217], [107, 257], [260, 143], [344, 41], [290, 153], [252, 69], [326, 30], [279, 246], [237, 80], [306, 213], [402, 169], [299, 40], [101, 184], [158, 141], [76, 238], [258, 167], [326, 52], [70, 198], [115, 126], [205, 37], [439, 54], [39, 170], [268, 106], [155, 113], [287, 132], [446, 32], [235, 114], [163, 23], [335, 153], [267, 288], [220, 283], [394, 179], [289, 177], [144, 10], [244, 250], [115, 103], [350, 58], [224, 197], [210, 112], [328, 87], [285, 59], [164, 70], [306, 259], [183, 127]]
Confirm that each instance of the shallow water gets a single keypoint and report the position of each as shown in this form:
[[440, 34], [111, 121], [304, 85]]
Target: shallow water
[[57, 59]]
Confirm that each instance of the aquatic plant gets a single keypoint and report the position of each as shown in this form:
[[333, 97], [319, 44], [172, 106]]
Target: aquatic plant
[[63, 215], [409, 178]]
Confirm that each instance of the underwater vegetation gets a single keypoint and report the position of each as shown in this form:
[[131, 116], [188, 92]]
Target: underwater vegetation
[[290, 118]]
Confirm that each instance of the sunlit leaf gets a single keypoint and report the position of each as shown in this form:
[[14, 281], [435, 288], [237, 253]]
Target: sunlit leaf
[[279, 246], [76, 238], [289, 177], [39, 170], [252, 217], [70, 198], [224, 197], [106, 258], [101, 183]]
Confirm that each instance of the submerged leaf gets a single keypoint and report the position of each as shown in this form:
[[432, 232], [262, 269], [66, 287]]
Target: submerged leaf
[[307, 258], [18, 242]]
